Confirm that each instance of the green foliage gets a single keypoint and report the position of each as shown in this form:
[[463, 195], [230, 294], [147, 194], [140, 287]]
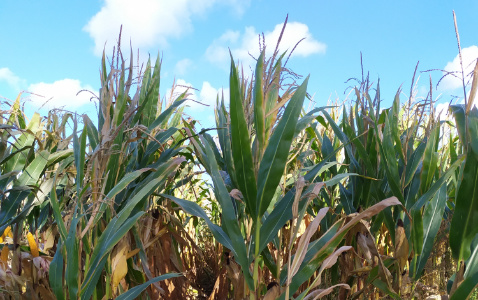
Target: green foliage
[[357, 192]]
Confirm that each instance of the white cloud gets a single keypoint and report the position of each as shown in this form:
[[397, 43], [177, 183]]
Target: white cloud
[[469, 55], [246, 44], [443, 110], [209, 94], [61, 93], [149, 22], [182, 66], [11, 79]]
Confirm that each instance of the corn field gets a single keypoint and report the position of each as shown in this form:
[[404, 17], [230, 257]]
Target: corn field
[[345, 201]]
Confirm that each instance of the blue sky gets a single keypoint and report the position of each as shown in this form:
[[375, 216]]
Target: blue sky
[[53, 48]]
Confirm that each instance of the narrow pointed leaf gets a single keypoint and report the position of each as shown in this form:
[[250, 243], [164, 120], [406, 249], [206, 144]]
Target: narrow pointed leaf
[[136, 291], [277, 151], [241, 144], [464, 224]]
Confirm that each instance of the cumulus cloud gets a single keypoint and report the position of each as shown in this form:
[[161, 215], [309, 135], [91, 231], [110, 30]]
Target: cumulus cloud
[[246, 44], [469, 55], [60, 94], [182, 66], [11, 79], [443, 110], [209, 94], [149, 22]]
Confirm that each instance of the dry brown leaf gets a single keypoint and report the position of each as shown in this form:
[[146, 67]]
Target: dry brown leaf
[[401, 246], [304, 242], [236, 194], [273, 292], [458, 278], [363, 247], [319, 293], [474, 87], [329, 262], [49, 239], [299, 186], [368, 213]]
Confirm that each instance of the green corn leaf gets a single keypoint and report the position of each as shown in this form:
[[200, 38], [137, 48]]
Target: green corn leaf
[[110, 237], [164, 116], [466, 288], [241, 145], [414, 162], [79, 151], [229, 219], [271, 96], [56, 273], [343, 138], [277, 151], [153, 146], [464, 225], [58, 156], [432, 218], [72, 265], [56, 211], [461, 119], [136, 291], [346, 200], [430, 160], [27, 138], [437, 184], [389, 159], [417, 235], [194, 209], [119, 226], [12, 155], [223, 133], [384, 288], [29, 177], [125, 181], [259, 105], [92, 132], [472, 263]]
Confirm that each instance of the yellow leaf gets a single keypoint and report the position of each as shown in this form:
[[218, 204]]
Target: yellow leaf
[[119, 265]]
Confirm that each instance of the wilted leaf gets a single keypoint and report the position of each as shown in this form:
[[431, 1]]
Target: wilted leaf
[[401, 246], [119, 266], [304, 241], [319, 293]]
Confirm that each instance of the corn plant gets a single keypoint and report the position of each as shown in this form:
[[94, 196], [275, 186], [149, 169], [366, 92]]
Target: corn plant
[[463, 229]]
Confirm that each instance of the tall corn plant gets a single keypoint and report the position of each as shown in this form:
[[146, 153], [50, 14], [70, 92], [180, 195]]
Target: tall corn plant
[[396, 153], [463, 229], [133, 153], [29, 155], [255, 139]]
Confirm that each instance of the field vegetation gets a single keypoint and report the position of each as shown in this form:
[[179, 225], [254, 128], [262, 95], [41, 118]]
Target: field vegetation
[[345, 201]]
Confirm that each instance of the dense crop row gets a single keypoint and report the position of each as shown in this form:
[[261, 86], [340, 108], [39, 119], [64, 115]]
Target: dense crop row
[[359, 201]]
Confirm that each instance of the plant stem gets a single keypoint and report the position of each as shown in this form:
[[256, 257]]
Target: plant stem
[[256, 255]]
